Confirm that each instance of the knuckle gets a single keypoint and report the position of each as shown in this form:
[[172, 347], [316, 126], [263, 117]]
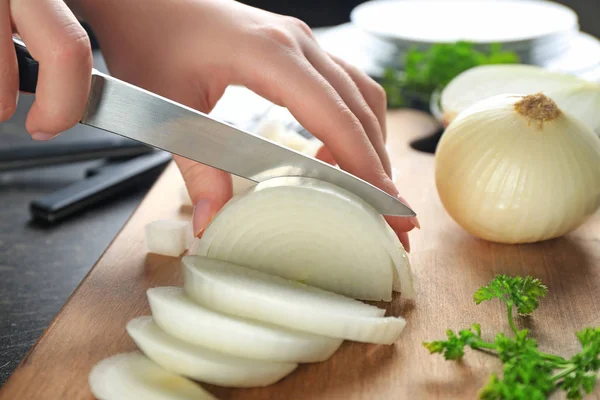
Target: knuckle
[[76, 48], [352, 120], [278, 35], [300, 25]]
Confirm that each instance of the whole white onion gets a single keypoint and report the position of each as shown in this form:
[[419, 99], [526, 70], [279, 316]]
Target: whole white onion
[[516, 169]]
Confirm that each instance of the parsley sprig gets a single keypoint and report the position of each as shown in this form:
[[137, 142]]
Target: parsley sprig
[[527, 372], [431, 69]]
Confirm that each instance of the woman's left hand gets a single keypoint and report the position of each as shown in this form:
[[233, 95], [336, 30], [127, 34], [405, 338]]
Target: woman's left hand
[[191, 50]]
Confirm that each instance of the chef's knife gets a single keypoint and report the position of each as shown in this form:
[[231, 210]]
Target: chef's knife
[[124, 109]]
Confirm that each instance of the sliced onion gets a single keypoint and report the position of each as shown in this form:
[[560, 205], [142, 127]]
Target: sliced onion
[[241, 291], [485, 81], [168, 237], [202, 364], [180, 317], [311, 231], [133, 376]]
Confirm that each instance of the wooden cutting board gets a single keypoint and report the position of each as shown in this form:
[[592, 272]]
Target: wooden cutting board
[[449, 265]]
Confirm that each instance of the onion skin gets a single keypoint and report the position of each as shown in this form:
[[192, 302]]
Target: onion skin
[[506, 178]]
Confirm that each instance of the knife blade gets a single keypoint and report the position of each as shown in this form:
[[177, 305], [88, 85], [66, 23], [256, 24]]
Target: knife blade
[[124, 109]]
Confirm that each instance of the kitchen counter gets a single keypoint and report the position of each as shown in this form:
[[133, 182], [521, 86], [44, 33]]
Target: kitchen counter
[[40, 266]]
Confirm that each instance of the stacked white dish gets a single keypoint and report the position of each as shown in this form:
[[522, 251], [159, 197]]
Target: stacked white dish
[[541, 32]]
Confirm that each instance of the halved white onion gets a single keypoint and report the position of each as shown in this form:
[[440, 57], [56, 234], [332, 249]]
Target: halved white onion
[[168, 237], [485, 81], [241, 291], [182, 318], [581, 101], [202, 364], [311, 231], [130, 376]]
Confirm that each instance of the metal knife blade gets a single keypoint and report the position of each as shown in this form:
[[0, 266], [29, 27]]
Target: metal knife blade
[[135, 113]]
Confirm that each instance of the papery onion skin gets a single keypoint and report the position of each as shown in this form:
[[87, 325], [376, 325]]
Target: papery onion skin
[[508, 179]]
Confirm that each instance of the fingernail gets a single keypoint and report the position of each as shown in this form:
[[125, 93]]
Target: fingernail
[[415, 222], [202, 215], [41, 136]]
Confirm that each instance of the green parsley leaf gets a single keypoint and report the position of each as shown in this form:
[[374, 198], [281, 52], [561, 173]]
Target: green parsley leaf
[[454, 347], [581, 376], [432, 69], [523, 293], [527, 372]]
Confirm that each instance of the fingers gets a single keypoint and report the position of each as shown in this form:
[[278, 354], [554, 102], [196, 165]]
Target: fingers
[[9, 72], [403, 236], [376, 98], [57, 41], [373, 93], [352, 97], [325, 155], [208, 188], [283, 75], [278, 71]]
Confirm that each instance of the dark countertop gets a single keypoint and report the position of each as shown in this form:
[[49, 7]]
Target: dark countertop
[[40, 266]]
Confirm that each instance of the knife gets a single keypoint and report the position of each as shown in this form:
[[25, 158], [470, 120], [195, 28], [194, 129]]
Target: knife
[[124, 109]]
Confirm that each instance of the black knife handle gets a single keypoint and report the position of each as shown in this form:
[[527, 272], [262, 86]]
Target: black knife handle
[[28, 67], [109, 181]]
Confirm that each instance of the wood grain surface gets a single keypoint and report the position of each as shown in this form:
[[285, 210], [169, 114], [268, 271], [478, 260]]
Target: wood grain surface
[[449, 266]]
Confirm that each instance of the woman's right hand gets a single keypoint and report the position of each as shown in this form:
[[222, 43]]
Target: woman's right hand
[[59, 43]]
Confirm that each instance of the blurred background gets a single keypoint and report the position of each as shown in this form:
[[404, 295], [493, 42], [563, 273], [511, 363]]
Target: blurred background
[[334, 12], [64, 201]]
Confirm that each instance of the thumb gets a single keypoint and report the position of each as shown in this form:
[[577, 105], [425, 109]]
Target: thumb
[[209, 189]]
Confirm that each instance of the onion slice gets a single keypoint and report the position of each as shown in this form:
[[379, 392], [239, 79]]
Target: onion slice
[[203, 364], [134, 376], [311, 231], [182, 318], [241, 291]]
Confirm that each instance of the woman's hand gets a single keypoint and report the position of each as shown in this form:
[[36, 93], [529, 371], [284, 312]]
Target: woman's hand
[[191, 50], [62, 48]]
